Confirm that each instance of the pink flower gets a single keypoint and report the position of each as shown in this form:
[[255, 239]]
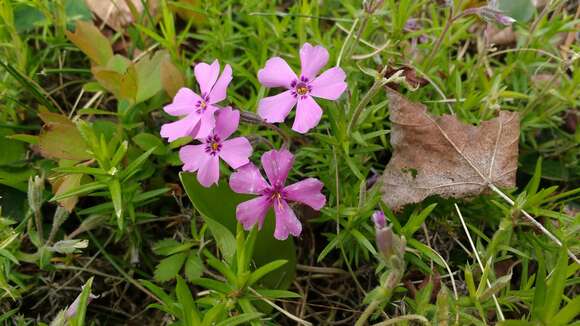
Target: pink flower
[[329, 85], [198, 110], [249, 180], [204, 158]]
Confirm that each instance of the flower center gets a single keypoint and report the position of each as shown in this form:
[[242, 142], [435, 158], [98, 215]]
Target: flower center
[[202, 104], [213, 145], [301, 87]]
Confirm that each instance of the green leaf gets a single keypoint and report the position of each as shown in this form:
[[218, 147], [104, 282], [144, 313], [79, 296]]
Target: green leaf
[[148, 141], [116, 196], [513, 322], [224, 238], [184, 297], [495, 287], [279, 294], [568, 313], [89, 39], [363, 241], [167, 300], [13, 151], [149, 75], [266, 269], [520, 10], [57, 128], [540, 290], [81, 190], [169, 267], [193, 266], [240, 319], [416, 220], [9, 255], [213, 285], [167, 247], [79, 319], [556, 285], [133, 167], [218, 203]]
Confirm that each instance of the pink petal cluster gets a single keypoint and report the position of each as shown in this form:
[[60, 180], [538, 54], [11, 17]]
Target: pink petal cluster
[[300, 90], [198, 110], [204, 158], [274, 193]]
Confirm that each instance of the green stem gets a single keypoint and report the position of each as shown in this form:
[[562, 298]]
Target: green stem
[[370, 309], [379, 83]]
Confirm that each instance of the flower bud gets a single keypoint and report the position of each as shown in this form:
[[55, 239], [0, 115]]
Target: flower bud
[[379, 219], [494, 15], [35, 191], [390, 246]]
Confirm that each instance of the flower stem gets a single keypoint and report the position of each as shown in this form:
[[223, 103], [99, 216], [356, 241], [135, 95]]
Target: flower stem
[[367, 313], [380, 81]]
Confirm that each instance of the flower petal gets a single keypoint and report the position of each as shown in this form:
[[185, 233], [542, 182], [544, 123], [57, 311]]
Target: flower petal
[[209, 171], [236, 152], [248, 180], [206, 123], [206, 75], [286, 221], [183, 102], [308, 114], [307, 192], [220, 89], [253, 211], [277, 164], [330, 84], [312, 59], [192, 157], [180, 128], [226, 122], [276, 108], [276, 73]]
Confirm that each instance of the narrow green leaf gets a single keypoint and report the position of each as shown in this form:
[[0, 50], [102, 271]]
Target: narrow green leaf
[[81, 190], [263, 270], [556, 285], [568, 313], [79, 319], [416, 220], [240, 319], [116, 197], [184, 297]]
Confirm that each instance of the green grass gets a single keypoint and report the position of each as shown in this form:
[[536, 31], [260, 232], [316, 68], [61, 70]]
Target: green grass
[[131, 199]]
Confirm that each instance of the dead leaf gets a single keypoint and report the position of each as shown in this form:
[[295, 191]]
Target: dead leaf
[[171, 77], [60, 138], [92, 42], [119, 13], [443, 156], [64, 184]]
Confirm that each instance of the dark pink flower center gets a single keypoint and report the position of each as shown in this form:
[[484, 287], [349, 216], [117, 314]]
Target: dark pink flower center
[[301, 87], [201, 105], [213, 145], [276, 194]]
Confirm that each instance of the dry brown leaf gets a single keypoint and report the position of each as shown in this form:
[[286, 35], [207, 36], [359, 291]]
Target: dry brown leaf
[[116, 13], [446, 157], [64, 184]]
